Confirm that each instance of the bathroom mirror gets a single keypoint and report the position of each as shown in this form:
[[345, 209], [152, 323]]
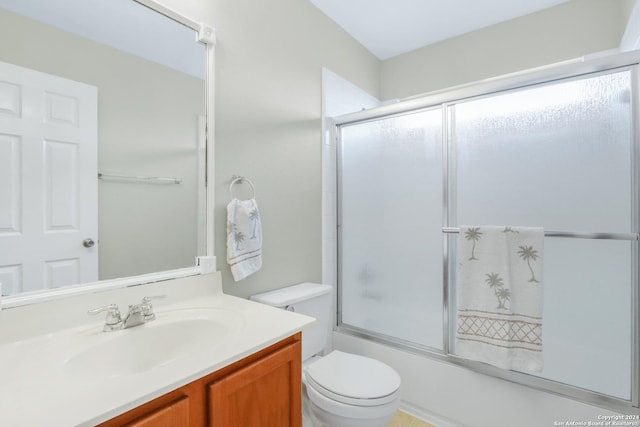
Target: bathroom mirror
[[102, 143]]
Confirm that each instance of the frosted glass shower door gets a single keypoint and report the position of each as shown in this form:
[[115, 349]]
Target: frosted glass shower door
[[390, 219], [560, 156]]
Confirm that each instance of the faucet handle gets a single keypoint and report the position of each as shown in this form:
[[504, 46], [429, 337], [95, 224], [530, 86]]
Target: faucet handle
[[113, 320], [147, 300], [147, 308]]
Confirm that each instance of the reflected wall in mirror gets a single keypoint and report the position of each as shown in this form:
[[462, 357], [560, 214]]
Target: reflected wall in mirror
[[93, 88]]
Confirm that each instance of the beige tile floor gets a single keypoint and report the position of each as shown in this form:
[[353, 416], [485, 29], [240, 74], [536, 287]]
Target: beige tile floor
[[403, 419]]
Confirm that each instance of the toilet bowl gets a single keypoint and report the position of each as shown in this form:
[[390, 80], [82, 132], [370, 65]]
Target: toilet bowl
[[348, 390], [340, 389]]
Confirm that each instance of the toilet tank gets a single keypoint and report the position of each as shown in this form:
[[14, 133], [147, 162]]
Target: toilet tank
[[311, 299]]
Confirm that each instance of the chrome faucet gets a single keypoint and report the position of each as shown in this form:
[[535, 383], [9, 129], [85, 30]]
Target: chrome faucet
[[134, 317], [138, 314]]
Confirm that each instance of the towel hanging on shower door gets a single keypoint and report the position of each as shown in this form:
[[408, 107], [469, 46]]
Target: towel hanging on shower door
[[499, 296]]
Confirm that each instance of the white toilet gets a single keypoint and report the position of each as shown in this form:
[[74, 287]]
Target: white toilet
[[339, 389]]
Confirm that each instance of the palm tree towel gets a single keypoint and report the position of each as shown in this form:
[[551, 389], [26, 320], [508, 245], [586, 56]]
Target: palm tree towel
[[499, 296], [244, 238]]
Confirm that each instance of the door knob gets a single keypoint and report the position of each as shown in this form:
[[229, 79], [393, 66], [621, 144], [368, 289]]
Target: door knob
[[88, 243]]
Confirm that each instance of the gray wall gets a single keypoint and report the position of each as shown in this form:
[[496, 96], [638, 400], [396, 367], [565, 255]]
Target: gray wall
[[627, 7], [567, 31], [268, 121]]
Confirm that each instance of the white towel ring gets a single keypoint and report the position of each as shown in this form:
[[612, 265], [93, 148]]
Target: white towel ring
[[240, 180]]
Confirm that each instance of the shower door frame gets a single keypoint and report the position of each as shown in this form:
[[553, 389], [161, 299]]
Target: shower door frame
[[443, 99]]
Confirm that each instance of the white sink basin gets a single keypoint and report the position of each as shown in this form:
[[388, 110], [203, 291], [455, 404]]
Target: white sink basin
[[174, 335]]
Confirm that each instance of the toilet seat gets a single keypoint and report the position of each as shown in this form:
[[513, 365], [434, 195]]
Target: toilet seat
[[353, 380]]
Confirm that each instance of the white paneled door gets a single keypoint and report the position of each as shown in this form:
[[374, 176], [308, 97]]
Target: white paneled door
[[48, 181]]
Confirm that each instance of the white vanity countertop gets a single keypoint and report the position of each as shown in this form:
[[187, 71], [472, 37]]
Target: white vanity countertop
[[37, 389]]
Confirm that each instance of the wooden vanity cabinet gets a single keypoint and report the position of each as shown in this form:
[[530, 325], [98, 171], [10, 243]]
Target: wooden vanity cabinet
[[263, 389]]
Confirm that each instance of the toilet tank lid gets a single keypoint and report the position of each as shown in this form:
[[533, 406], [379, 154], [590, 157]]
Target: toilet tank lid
[[291, 294]]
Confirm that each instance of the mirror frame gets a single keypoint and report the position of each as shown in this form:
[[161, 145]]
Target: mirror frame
[[203, 264]]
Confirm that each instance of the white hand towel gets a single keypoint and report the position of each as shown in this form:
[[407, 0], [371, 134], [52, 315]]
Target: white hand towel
[[244, 238], [499, 296]]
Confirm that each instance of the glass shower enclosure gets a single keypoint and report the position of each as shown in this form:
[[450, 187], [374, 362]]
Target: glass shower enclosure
[[557, 149]]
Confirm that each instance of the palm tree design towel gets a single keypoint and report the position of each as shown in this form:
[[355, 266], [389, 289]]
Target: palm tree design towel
[[499, 296], [244, 238]]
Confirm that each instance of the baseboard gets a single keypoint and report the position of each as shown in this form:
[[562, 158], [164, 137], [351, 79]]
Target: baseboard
[[428, 416]]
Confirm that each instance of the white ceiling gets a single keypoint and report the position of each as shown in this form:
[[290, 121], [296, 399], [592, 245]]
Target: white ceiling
[[391, 27]]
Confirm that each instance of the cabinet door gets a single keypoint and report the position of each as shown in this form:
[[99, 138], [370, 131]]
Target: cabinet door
[[175, 414], [264, 393]]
